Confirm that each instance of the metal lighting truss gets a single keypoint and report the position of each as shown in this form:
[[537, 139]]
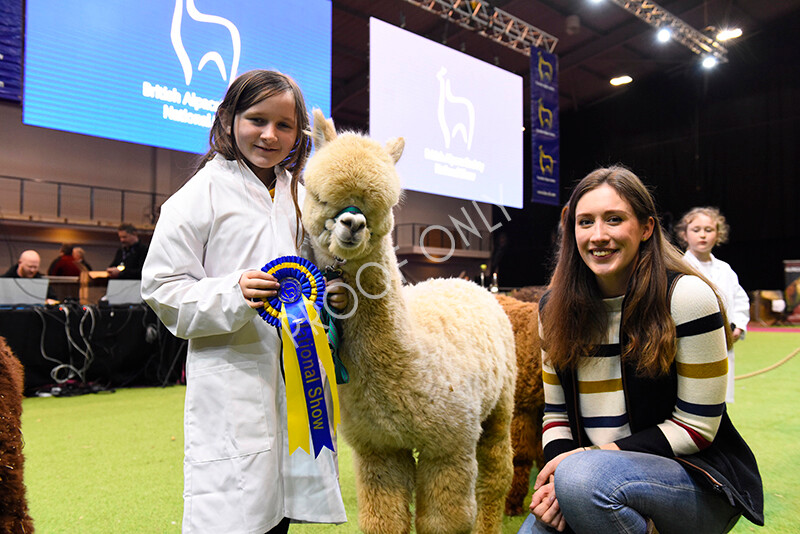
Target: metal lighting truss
[[657, 16], [491, 22]]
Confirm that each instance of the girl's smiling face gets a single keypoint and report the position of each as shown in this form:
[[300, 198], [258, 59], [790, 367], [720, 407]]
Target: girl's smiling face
[[608, 234], [266, 132]]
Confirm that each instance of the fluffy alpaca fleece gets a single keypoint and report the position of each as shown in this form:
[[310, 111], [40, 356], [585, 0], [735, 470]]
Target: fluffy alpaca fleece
[[432, 367], [529, 293], [14, 518], [526, 425]]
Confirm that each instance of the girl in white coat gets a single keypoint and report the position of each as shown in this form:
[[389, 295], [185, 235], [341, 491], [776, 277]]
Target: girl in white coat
[[202, 277], [700, 230]]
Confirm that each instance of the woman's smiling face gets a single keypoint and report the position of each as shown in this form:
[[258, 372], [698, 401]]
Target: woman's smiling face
[[608, 235]]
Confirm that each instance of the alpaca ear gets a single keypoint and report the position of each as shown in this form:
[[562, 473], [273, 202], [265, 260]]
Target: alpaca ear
[[395, 148], [323, 131]]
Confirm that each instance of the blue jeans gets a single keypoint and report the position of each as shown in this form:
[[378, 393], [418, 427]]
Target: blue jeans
[[617, 491]]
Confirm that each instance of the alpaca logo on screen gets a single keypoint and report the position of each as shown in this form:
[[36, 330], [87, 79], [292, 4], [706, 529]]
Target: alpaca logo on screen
[[458, 111], [456, 116], [211, 55]]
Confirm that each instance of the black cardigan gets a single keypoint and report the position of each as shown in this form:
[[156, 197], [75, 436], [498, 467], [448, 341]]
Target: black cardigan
[[727, 465]]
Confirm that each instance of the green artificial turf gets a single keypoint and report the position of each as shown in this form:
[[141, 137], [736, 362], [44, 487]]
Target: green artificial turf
[[105, 463], [764, 413], [112, 462]]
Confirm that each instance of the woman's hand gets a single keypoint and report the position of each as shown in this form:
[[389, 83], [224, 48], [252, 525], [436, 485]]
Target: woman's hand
[[550, 467], [544, 506], [546, 474], [337, 294], [258, 285]]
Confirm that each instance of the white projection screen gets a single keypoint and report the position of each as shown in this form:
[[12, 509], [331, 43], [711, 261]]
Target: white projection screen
[[461, 117]]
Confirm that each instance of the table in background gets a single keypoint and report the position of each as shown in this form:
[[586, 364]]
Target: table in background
[[87, 288], [110, 346]]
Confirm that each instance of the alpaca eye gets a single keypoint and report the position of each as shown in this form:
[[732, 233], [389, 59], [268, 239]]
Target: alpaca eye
[[318, 200]]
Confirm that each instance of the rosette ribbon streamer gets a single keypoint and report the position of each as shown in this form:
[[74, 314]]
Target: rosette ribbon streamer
[[295, 312]]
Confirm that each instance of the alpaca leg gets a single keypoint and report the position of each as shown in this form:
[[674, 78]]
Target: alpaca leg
[[446, 492], [525, 440], [495, 466], [384, 486]]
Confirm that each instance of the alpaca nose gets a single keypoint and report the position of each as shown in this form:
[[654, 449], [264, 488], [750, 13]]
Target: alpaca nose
[[354, 223]]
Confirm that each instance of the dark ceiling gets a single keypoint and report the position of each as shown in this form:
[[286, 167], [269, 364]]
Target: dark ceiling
[[610, 41]]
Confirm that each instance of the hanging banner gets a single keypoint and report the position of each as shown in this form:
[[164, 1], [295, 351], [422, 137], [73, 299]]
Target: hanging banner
[[544, 122]]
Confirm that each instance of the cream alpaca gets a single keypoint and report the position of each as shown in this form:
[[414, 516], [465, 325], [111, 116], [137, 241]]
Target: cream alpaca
[[432, 367]]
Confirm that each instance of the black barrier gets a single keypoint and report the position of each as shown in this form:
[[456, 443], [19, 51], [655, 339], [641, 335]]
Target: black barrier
[[91, 348]]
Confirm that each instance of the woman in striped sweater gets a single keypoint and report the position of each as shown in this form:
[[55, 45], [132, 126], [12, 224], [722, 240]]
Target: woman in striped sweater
[[634, 356]]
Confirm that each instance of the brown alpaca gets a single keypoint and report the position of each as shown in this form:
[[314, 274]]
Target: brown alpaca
[[528, 293], [526, 424], [14, 518]]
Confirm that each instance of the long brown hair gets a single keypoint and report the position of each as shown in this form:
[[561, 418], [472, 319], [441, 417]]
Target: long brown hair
[[248, 90], [575, 322]]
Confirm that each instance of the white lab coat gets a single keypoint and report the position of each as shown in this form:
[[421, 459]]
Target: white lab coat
[[238, 474], [735, 299]]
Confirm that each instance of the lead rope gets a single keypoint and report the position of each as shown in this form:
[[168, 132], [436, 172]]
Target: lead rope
[[771, 367], [333, 327]]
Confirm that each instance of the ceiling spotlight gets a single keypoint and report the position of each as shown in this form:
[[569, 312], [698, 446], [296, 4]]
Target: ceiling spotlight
[[621, 80], [595, 1], [733, 33], [709, 62], [573, 25], [663, 35]]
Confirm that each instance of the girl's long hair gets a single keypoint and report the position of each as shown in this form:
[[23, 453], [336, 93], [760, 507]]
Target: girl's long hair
[[248, 90], [575, 321]]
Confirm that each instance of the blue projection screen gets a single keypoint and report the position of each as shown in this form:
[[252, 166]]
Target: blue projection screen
[[153, 71], [461, 117]]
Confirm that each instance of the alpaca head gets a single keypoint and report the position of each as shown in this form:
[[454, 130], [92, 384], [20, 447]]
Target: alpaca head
[[351, 188]]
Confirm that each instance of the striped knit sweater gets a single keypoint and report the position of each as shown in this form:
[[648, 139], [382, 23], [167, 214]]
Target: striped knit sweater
[[701, 363]]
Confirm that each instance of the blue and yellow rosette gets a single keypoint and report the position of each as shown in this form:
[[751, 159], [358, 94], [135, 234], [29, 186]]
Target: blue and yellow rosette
[[295, 312]]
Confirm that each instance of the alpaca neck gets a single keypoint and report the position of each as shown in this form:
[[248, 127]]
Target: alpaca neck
[[379, 327]]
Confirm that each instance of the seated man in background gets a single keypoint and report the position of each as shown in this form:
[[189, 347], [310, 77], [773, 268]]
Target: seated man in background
[[28, 267], [128, 261], [64, 265], [79, 255]]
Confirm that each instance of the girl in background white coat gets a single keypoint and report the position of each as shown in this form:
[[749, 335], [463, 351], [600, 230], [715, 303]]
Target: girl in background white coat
[[700, 230], [239, 211]]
